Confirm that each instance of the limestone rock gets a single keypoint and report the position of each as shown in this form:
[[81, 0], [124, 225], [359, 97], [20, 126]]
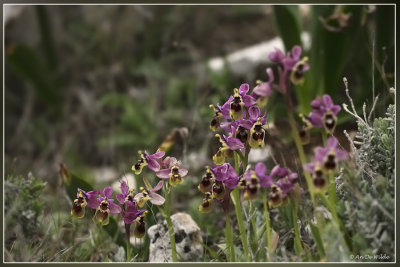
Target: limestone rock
[[187, 237]]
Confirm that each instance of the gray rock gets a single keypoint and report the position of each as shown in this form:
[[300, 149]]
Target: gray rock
[[187, 237]]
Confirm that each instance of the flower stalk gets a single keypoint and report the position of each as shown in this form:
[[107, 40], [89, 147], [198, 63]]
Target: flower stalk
[[167, 215], [268, 241], [230, 248]]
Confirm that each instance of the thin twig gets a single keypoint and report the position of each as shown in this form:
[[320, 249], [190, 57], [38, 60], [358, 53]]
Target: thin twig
[[373, 108]]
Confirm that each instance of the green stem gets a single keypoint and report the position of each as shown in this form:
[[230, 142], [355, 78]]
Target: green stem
[[297, 241], [332, 209], [128, 251], [167, 214], [332, 190], [267, 225], [324, 137], [239, 216], [302, 156], [253, 232], [229, 238]]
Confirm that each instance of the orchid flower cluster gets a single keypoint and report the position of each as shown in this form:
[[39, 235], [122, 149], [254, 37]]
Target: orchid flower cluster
[[326, 162], [130, 202]]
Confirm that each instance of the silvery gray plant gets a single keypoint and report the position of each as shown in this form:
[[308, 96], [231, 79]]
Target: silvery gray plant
[[368, 196]]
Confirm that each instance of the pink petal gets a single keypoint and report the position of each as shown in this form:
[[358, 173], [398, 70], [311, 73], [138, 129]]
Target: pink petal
[[124, 188], [158, 155], [234, 143], [120, 198], [183, 172], [243, 89], [107, 192], [138, 196], [332, 142], [156, 199], [296, 52], [260, 168], [153, 165], [270, 74], [310, 167], [327, 101], [114, 209], [130, 217], [163, 174], [248, 100], [158, 186], [254, 113], [93, 202], [335, 109]]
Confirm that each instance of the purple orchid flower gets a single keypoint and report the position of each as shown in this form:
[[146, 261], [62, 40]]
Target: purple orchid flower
[[82, 200], [330, 155], [173, 172], [105, 206], [152, 161], [326, 159], [291, 67], [132, 213], [239, 101], [286, 179], [226, 173], [225, 109], [127, 194], [324, 113], [265, 180], [150, 194], [264, 89]]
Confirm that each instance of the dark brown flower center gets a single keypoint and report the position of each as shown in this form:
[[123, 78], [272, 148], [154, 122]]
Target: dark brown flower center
[[329, 121], [330, 162]]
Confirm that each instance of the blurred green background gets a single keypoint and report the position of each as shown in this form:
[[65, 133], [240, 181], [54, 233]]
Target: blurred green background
[[89, 86]]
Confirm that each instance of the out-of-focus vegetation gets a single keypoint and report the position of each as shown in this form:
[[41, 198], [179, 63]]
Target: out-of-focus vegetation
[[89, 86]]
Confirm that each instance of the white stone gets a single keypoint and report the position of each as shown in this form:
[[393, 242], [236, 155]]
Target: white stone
[[187, 237]]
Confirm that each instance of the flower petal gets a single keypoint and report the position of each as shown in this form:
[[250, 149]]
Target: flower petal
[[247, 124], [114, 209], [266, 181], [156, 199], [158, 186], [107, 192], [335, 109], [130, 217], [159, 154], [276, 56], [248, 100], [243, 89], [226, 126], [153, 164], [270, 74], [254, 113], [183, 172], [234, 143], [260, 169], [296, 52], [310, 167], [327, 101], [163, 174], [263, 89], [124, 188], [120, 198], [93, 202], [332, 142]]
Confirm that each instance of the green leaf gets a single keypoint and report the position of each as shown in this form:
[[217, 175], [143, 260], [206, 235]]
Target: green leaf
[[317, 239], [288, 25], [30, 66]]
